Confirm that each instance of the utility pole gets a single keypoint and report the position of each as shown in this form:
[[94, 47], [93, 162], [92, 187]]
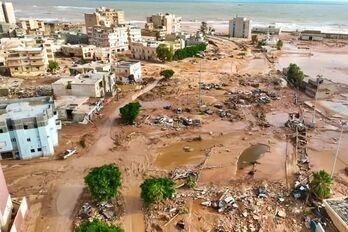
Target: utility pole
[[342, 123], [319, 81], [199, 86]]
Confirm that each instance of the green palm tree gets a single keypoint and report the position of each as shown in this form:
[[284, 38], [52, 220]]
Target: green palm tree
[[321, 184]]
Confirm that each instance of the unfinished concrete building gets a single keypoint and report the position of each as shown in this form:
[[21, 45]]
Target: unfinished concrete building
[[100, 84]]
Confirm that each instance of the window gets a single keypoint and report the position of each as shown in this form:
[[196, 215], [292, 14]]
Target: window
[[39, 149], [28, 139], [32, 150], [25, 127], [1, 131], [13, 139]]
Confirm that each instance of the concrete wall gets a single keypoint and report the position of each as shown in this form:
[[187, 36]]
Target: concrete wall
[[19, 220], [5, 203]]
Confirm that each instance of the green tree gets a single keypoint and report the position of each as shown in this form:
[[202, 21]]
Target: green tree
[[104, 182], [168, 73], [254, 39], [321, 184], [204, 28], [53, 66], [130, 112], [279, 44], [97, 226], [189, 51], [164, 53], [154, 190], [295, 75]]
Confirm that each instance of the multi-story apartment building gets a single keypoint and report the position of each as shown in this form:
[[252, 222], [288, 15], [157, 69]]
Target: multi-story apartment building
[[86, 52], [240, 27], [99, 84], [32, 27], [8, 14], [114, 38], [28, 128], [134, 33], [27, 61], [167, 22], [105, 17]]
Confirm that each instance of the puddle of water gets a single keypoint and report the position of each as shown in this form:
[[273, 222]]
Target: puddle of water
[[337, 107], [156, 104], [251, 154], [174, 155]]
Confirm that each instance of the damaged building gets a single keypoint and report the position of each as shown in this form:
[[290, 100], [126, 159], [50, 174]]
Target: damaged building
[[99, 84], [78, 109]]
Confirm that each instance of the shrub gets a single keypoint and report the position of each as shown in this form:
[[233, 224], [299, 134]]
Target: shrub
[[164, 53], [154, 190], [104, 182], [53, 66], [168, 73]]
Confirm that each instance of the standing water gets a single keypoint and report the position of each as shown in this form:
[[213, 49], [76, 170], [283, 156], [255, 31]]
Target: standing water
[[251, 154]]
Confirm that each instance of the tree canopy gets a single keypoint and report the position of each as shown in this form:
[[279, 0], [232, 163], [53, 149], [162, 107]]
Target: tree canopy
[[53, 66], [154, 190], [168, 73], [295, 75], [189, 51], [321, 184], [254, 39], [164, 53], [279, 44], [104, 182], [97, 226], [130, 112]]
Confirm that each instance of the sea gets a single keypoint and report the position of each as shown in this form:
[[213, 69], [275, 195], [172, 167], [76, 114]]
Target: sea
[[327, 16]]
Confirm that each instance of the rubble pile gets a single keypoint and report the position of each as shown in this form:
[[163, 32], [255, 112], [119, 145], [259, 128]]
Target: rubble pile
[[299, 138], [166, 121], [247, 98], [211, 86], [241, 209], [105, 211]]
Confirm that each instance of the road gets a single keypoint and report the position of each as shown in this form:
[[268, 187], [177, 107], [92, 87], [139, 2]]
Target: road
[[66, 189]]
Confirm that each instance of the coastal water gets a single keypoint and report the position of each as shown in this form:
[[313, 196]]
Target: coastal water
[[290, 15]]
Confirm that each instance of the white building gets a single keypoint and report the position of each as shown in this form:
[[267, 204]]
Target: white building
[[127, 71], [134, 33], [240, 27], [114, 38], [28, 128], [86, 52], [99, 84]]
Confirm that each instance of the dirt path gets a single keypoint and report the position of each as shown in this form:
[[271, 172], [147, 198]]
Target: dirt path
[[65, 191]]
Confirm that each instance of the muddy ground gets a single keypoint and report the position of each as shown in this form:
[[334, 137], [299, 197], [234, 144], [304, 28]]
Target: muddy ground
[[254, 132]]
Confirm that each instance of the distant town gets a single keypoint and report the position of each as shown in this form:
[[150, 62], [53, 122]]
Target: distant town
[[111, 126]]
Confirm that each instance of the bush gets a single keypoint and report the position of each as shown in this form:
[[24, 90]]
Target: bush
[[191, 181], [295, 75], [189, 51], [254, 39], [321, 184], [53, 66], [154, 190], [97, 226], [104, 182], [130, 112], [168, 73]]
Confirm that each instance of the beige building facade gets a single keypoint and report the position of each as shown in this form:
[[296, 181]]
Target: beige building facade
[[27, 61], [105, 17], [86, 52], [163, 22]]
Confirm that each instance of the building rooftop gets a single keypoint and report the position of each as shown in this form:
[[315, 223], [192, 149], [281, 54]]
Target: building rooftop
[[23, 109], [77, 104], [25, 49], [82, 79], [125, 64]]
